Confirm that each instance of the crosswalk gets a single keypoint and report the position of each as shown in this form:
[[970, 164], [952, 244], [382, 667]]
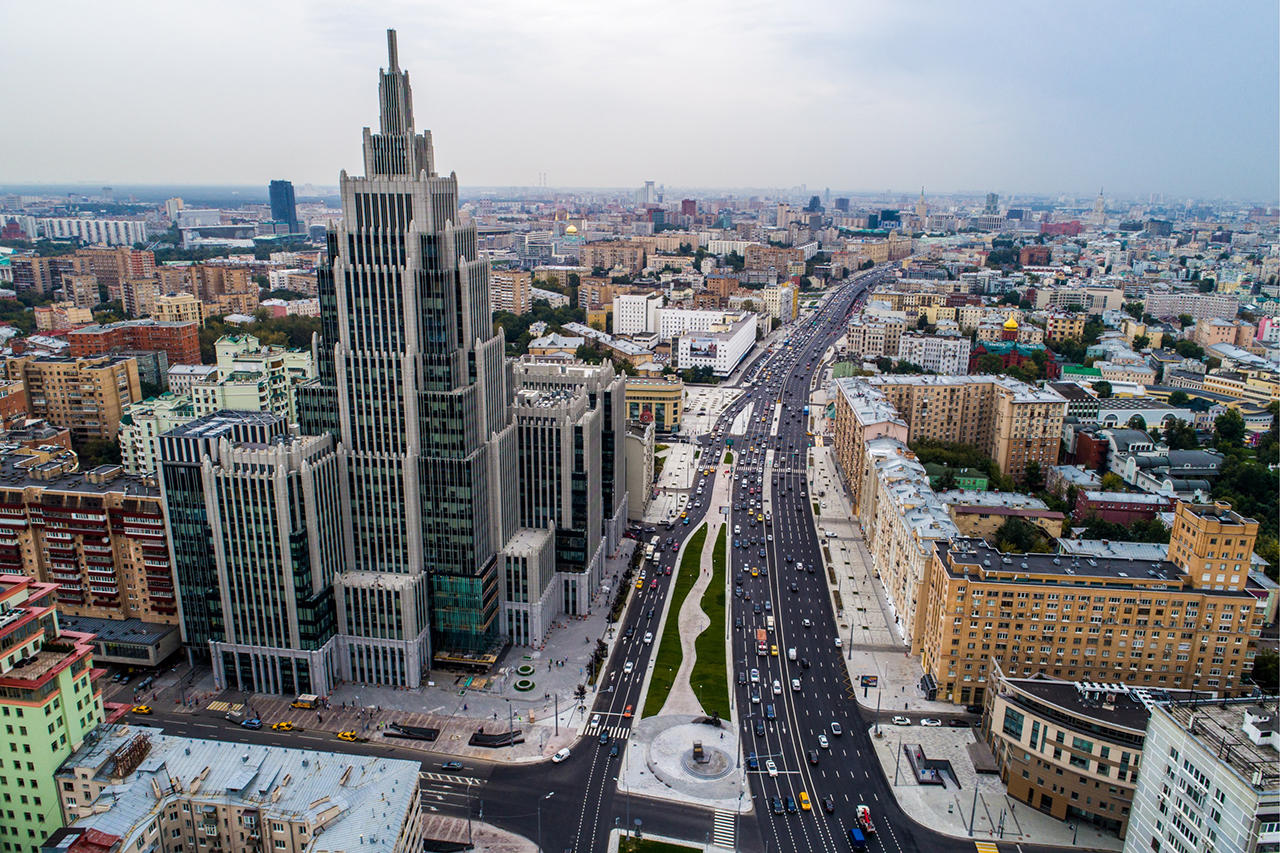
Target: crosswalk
[[615, 732], [986, 847], [224, 706], [724, 830], [450, 779]]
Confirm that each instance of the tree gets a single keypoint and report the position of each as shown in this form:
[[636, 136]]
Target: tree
[[1179, 398], [990, 363], [1141, 342], [1185, 320], [1228, 429], [1102, 389], [1111, 482], [1266, 670], [1189, 349], [96, 451], [1133, 309], [1180, 435], [1032, 477], [1018, 535], [1137, 422]]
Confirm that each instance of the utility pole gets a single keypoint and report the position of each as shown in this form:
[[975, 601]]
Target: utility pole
[[897, 761], [879, 691], [557, 714], [974, 811]]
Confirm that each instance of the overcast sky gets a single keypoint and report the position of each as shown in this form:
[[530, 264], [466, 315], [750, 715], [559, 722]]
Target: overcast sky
[[1136, 97]]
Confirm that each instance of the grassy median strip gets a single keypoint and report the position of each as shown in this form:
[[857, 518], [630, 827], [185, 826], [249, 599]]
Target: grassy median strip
[[668, 658], [710, 676]]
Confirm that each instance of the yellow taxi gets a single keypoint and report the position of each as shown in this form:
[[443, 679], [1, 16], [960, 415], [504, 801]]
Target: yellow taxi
[[350, 737], [283, 726], [684, 514], [773, 651], [760, 517], [804, 801], [142, 709], [755, 573], [640, 583]]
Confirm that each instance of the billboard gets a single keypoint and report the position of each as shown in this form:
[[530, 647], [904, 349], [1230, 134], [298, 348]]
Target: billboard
[[703, 347]]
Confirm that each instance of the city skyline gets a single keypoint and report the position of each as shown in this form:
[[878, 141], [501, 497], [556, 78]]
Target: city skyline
[[1123, 107]]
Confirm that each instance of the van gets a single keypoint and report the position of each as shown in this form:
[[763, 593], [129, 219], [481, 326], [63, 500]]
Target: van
[[306, 700], [856, 839], [791, 654]]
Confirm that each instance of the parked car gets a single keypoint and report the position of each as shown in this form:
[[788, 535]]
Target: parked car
[[901, 721], [562, 755]]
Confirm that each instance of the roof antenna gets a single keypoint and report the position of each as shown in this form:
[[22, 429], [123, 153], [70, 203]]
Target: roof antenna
[[392, 54]]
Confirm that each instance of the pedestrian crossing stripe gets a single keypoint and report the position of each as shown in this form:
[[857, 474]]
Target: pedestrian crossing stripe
[[445, 777], [724, 830], [224, 706], [619, 732], [986, 847]]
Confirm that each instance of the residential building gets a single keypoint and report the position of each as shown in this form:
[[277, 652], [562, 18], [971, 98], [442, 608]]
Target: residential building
[[60, 316], [981, 514], [178, 308], [1255, 386], [81, 290], [1012, 422], [1072, 749], [85, 395], [655, 400], [1120, 507], [1206, 536], [1080, 403], [32, 275], [1210, 778], [555, 344], [110, 232], [142, 424], [50, 702], [138, 296], [862, 414], [627, 256], [253, 378], [509, 291], [636, 313], [1199, 305], [1064, 327], [1126, 371], [945, 354], [224, 289], [113, 265], [274, 513], [781, 259], [99, 536], [781, 301], [182, 376], [180, 342], [421, 410], [875, 338], [137, 788], [182, 459], [1194, 637]]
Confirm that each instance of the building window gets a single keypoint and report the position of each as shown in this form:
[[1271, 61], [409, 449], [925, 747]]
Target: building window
[[1013, 721]]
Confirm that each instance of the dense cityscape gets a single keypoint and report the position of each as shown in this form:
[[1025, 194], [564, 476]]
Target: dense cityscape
[[406, 515]]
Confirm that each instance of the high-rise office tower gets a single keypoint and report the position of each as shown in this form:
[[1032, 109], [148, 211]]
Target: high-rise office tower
[[413, 381], [993, 204], [283, 207]]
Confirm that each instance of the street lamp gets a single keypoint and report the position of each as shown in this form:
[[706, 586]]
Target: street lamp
[[540, 802]]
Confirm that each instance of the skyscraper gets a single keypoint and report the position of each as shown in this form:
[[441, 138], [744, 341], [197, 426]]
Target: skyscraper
[[413, 381], [283, 207]]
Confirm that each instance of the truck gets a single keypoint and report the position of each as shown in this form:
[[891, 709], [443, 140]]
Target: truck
[[762, 641], [864, 819], [306, 700]]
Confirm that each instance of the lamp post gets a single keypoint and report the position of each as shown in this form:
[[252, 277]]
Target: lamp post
[[973, 812], [540, 802]]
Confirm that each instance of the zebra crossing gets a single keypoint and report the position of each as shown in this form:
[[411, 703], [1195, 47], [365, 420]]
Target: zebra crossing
[[447, 778], [615, 732], [724, 830], [986, 847]]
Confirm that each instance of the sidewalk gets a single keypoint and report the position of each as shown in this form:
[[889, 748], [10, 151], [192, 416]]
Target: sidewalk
[[947, 808]]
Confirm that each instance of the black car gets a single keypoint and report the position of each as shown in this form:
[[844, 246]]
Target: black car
[[613, 751], [804, 663], [795, 587], [759, 728], [813, 756], [777, 805], [742, 677], [628, 634], [973, 709], [604, 738], [829, 804], [791, 805], [649, 615], [737, 623]]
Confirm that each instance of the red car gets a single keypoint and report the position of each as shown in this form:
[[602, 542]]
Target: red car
[[653, 584], [668, 570]]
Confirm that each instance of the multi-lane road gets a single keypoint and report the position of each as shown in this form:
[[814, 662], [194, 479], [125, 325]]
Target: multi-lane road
[[803, 689]]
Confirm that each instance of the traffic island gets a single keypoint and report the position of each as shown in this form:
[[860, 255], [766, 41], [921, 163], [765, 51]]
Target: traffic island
[[660, 763]]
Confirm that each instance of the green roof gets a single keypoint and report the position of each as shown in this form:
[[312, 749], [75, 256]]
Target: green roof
[[1080, 370]]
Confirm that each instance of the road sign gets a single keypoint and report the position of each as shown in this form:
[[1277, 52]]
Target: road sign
[[869, 681]]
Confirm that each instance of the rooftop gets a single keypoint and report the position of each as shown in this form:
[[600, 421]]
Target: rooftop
[[372, 796], [131, 631], [1023, 393], [1110, 705], [1126, 497], [1222, 727], [965, 551], [15, 473], [1009, 500]]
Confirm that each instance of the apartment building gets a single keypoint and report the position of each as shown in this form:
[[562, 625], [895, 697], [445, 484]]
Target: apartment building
[[1064, 327], [142, 424], [874, 338], [636, 313], [1152, 624], [112, 232], [509, 291], [114, 265], [138, 296], [85, 395], [628, 256], [178, 308], [780, 258], [61, 315], [32, 275], [1212, 330], [781, 301], [81, 290], [1012, 422], [944, 354], [1255, 386], [1200, 306], [224, 289], [862, 414], [179, 341], [50, 703], [138, 789], [98, 535], [1210, 778]]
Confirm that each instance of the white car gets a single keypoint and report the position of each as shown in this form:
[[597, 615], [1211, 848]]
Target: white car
[[901, 721], [777, 687], [648, 638], [839, 642], [836, 730], [771, 767], [562, 755], [930, 722], [795, 684], [630, 665], [755, 676], [823, 742]]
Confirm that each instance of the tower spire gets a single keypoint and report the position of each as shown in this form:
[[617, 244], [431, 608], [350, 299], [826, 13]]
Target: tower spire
[[393, 55]]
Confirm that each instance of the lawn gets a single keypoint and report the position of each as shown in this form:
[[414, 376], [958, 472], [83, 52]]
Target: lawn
[[710, 676], [668, 658], [728, 457], [648, 845]]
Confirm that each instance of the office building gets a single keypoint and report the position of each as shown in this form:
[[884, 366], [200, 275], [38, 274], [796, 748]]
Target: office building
[[420, 402], [98, 535], [1089, 618], [656, 400], [136, 788], [1210, 778], [720, 347], [509, 291], [275, 516], [283, 207], [640, 444], [636, 313], [85, 395], [182, 458], [180, 342], [945, 354], [50, 702]]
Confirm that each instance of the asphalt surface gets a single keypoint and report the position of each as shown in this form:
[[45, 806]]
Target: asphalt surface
[[572, 805]]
